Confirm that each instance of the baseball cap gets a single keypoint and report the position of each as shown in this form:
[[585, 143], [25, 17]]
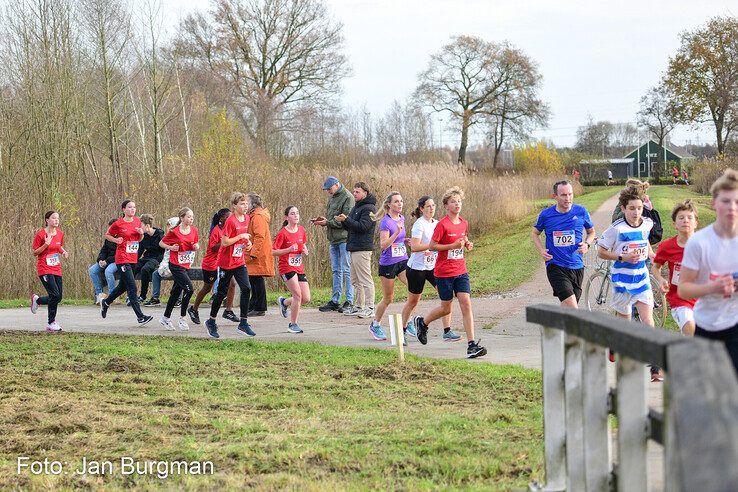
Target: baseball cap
[[330, 181]]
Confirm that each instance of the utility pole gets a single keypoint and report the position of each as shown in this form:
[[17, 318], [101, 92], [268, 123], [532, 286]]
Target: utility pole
[[440, 132]]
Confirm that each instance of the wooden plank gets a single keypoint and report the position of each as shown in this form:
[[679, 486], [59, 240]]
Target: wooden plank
[[632, 416], [554, 416], [575, 465], [596, 427]]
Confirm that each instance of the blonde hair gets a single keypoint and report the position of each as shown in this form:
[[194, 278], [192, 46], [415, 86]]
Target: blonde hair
[[685, 206], [385, 206], [727, 182], [236, 197], [451, 192]]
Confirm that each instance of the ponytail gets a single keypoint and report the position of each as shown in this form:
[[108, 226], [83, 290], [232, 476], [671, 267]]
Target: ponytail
[[218, 216], [286, 213], [418, 212]]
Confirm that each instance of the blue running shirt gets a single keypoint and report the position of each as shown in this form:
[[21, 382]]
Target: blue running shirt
[[564, 232]]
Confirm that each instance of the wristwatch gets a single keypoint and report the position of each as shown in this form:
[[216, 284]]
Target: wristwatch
[[620, 257]]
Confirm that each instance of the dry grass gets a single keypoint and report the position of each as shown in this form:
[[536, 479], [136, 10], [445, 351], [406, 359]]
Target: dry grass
[[707, 171]]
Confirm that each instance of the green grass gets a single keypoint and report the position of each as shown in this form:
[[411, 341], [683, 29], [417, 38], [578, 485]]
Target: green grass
[[277, 415]]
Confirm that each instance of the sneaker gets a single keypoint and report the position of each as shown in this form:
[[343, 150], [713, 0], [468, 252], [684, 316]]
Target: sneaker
[[104, 308], [53, 327], [450, 336], [404, 338], [212, 328], [178, 302], [183, 326], [194, 315], [351, 311], [99, 298], [475, 350], [34, 303], [145, 319], [421, 329], [345, 306], [140, 301], [376, 330], [231, 316], [282, 307], [245, 328], [294, 328], [167, 323], [410, 329], [154, 301], [366, 313], [256, 313], [329, 306]]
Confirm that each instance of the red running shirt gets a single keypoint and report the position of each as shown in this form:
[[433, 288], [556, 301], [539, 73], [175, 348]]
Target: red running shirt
[[49, 261], [670, 253], [291, 262], [185, 257], [450, 263], [233, 256], [127, 251], [210, 260]]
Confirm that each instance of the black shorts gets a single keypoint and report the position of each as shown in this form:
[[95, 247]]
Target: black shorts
[[565, 281], [301, 277], [416, 280], [393, 270], [209, 276]]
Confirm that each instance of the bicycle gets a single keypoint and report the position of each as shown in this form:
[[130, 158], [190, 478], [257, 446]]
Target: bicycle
[[598, 287]]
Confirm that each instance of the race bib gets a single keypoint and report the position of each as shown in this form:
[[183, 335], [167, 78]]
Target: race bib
[[53, 260], [456, 254], [237, 250], [676, 274], [641, 248], [398, 250], [429, 259], [562, 239], [132, 247], [186, 257], [294, 260]]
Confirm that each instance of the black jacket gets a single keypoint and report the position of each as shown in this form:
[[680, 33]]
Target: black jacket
[[149, 249], [107, 252], [360, 225]]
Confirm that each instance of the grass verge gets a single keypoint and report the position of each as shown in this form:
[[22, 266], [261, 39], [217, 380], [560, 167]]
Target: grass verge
[[277, 415]]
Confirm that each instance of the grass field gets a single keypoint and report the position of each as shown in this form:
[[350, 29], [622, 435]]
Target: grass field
[[297, 416]]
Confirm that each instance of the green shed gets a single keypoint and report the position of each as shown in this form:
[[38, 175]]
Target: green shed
[[651, 159]]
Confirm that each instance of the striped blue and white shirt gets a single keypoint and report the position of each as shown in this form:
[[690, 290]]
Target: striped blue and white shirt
[[620, 238]]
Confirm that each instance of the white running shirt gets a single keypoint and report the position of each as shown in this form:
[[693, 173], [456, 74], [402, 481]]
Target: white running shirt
[[620, 238], [423, 230]]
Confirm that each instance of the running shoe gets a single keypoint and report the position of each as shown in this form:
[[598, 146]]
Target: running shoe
[[231, 316], [450, 336], [183, 326], [53, 327], [344, 307], [376, 330], [294, 328], [329, 306], [212, 328], [410, 329], [194, 315], [351, 311], [104, 308], [421, 329], [282, 307], [366, 313], [245, 328], [99, 298], [256, 313], [166, 323], [34, 303], [178, 302], [475, 350], [145, 319], [153, 302]]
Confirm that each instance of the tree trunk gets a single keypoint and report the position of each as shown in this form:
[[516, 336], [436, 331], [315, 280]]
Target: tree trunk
[[719, 137], [464, 138]]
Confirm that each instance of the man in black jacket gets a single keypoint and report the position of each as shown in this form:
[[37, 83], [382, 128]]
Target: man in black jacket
[[105, 264], [360, 225], [150, 255]]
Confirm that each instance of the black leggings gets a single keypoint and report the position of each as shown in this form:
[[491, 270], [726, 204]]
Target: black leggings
[[258, 293], [127, 283], [242, 279], [728, 336], [53, 286], [182, 285]]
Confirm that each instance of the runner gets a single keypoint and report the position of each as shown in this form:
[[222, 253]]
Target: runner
[[126, 232], [182, 242], [210, 267], [48, 247], [674, 175], [710, 269], [393, 258], [671, 252], [290, 246], [626, 243], [609, 177], [450, 239], [420, 266], [234, 242], [565, 224]]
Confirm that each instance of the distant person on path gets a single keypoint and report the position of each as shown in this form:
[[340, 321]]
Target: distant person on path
[[710, 269], [105, 264], [48, 248], [685, 176], [260, 261], [127, 232], [340, 202], [609, 177], [577, 175], [360, 225], [565, 224], [671, 252], [290, 246]]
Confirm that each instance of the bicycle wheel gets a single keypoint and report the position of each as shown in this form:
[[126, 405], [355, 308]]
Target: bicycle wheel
[[597, 292], [659, 303]]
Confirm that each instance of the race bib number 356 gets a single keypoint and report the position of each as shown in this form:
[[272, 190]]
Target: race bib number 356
[[562, 239], [456, 254]]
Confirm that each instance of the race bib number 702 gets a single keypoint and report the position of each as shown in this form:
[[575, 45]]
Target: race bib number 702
[[562, 239]]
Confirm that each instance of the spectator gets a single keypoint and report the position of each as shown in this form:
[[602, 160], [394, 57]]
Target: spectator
[[105, 265], [260, 261], [150, 255], [609, 177]]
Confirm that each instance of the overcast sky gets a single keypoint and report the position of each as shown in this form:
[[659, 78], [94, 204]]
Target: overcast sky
[[597, 58]]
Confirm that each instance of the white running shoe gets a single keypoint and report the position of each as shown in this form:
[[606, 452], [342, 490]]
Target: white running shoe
[[34, 303], [167, 323], [53, 327], [100, 297], [183, 325]]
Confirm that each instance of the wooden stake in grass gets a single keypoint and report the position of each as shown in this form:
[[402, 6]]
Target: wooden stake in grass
[[396, 335]]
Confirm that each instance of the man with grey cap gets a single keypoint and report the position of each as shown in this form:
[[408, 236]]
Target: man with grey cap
[[340, 201]]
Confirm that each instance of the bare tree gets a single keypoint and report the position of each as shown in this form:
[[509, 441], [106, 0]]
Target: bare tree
[[655, 114], [275, 54]]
